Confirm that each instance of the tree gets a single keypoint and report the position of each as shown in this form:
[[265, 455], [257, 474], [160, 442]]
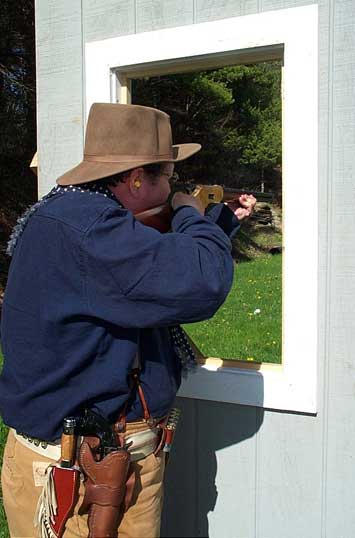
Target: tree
[[17, 115], [234, 112], [257, 133]]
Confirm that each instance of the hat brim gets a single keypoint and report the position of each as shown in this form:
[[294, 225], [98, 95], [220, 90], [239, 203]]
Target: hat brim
[[88, 171]]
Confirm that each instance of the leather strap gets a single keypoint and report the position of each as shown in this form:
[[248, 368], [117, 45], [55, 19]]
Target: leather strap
[[135, 378], [135, 387]]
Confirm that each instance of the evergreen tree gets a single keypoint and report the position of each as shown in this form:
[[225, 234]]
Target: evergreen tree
[[234, 112], [17, 115]]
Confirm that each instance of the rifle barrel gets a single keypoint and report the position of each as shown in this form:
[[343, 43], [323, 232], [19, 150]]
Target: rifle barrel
[[229, 192], [260, 196]]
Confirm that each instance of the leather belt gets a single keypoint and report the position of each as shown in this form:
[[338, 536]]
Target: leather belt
[[142, 444], [48, 450]]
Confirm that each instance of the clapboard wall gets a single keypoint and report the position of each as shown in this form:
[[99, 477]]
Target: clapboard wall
[[237, 471]]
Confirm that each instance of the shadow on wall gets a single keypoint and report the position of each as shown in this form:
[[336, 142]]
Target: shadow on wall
[[190, 486]]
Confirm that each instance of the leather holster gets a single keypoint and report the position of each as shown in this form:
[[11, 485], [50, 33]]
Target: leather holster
[[105, 488]]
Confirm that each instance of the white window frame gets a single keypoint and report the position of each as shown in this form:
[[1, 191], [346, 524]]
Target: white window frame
[[293, 35]]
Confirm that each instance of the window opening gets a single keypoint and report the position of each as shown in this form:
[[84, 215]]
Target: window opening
[[235, 112]]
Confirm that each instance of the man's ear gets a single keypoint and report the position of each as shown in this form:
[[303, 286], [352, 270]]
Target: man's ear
[[135, 180]]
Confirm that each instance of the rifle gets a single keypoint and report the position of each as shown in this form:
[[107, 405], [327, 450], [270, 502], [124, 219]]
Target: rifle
[[219, 192], [160, 217]]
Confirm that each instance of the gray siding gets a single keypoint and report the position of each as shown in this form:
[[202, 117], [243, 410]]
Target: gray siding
[[339, 404], [157, 14], [237, 471], [59, 88], [117, 17], [211, 10]]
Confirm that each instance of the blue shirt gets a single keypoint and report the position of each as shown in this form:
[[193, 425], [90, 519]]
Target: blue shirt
[[85, 282]]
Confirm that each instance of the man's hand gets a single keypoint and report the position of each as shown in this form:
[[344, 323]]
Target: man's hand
[[180, 198], [243, 207]]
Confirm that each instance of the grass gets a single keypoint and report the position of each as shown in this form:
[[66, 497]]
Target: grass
[[248, 325], [3, 434]]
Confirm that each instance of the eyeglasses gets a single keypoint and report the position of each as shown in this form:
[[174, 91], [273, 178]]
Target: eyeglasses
[[172, 178]]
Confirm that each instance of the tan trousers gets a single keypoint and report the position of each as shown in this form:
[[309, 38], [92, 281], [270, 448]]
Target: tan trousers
[[142, 519]]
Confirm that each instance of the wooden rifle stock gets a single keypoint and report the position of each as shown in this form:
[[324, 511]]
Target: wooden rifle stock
[[160, 217]]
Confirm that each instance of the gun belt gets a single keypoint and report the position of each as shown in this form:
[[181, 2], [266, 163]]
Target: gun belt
[[143, 444]]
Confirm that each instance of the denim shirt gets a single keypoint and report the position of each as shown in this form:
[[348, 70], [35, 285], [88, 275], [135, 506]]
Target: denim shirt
[[86, 282]]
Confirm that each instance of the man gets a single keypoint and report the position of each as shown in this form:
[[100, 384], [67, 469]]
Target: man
[[90, 291]]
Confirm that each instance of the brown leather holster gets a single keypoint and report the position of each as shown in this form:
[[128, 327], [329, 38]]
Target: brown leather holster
[[108, 490], [105, 488]]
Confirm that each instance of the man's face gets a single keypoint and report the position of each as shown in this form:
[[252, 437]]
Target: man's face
[[157, 189]]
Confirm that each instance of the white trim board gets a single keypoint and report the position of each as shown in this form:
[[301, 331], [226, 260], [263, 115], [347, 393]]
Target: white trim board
[[110, 64]]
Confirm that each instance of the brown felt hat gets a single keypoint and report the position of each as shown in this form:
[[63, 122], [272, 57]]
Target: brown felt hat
[[122, 137]]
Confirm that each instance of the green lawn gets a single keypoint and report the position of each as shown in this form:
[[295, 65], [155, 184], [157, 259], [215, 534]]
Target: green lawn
[[248, 325], [3, 433]]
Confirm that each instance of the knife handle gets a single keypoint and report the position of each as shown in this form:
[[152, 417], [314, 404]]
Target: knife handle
[[68, 443]]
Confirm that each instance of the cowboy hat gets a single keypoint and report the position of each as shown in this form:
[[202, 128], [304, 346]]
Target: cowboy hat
[[122, 137]]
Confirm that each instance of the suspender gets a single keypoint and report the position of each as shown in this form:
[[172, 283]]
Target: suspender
[[135, 387]]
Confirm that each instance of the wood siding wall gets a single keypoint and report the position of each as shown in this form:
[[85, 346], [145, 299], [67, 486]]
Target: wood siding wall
[[242, 472]]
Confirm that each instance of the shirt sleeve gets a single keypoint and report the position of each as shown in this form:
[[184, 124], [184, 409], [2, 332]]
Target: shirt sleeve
[[224, 218], [136, 277], [221, 215]]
